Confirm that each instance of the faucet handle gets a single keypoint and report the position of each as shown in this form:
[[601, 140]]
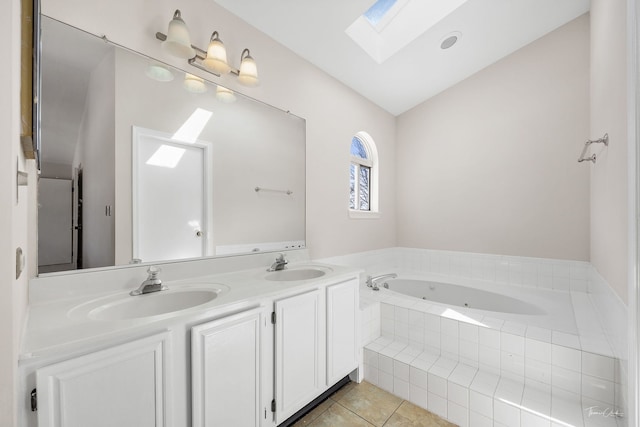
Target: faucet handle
[[153, 271]]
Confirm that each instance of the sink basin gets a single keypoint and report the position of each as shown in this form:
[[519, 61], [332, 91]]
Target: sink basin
[[296, 274], [123, 307]]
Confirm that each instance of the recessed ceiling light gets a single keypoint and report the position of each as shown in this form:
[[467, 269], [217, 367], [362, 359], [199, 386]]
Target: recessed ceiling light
[[450, 39]]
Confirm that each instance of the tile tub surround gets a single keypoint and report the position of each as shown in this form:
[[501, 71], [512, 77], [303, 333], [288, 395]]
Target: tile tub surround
[[600, 318], [605, 333], [520, 271], [471, 396]]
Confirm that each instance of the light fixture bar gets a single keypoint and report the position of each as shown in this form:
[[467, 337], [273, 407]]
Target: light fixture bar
[[196, 61]]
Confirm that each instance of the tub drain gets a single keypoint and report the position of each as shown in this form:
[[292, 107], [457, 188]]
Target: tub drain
[[466, 304]]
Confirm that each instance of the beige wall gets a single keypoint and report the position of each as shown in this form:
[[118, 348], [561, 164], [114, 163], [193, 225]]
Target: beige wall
[[13, 215], [490, 166], [333, 112], [609, 115]]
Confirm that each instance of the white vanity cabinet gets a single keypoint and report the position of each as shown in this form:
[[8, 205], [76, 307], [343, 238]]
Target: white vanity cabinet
[[342, 329], [316, 344], [227, 370], [299, 351], [125, 386], [246, 366], [253, 362]]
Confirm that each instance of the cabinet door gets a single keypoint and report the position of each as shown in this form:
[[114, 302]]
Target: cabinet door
[[299, 352], [342, 330], [226, 369], [124, 386]]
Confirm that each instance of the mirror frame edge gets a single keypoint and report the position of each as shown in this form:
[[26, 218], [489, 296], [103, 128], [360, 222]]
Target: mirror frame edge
[[37, 82]]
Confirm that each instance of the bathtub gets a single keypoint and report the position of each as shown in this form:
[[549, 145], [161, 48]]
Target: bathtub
[[462, 296], [544, 308]]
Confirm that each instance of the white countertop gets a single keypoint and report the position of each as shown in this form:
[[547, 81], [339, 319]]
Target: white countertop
[[52, 328]]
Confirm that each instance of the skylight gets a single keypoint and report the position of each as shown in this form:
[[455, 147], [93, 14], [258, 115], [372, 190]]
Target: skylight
[[376, 12], [382, 13], [389, 25]]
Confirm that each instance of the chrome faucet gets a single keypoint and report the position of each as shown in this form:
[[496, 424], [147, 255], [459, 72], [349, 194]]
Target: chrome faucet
[[372, 281], [152, 284], [279, 264]]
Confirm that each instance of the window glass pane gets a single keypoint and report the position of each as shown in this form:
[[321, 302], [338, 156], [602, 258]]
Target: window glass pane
[[376, 12], [352, 187], [358, 149], [365, 173]]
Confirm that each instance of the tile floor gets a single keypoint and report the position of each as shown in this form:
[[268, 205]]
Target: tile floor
[[366, 405]]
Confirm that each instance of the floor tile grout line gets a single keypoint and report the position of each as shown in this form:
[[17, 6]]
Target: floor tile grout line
[[353, 412], [323, 412], [358, 415], [368, 421], [394, 412]]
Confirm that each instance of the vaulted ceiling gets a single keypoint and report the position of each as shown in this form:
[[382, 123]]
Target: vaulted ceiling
[[487, 30]]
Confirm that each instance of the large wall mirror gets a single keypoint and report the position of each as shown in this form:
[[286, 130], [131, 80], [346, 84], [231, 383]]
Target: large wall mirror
[[142, 162]]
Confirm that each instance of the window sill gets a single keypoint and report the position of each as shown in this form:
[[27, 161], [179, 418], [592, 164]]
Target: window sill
[[363, 214]]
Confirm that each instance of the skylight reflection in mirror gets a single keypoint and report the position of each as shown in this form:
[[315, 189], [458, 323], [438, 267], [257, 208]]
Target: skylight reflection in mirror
[[167, 156], [192, 128]]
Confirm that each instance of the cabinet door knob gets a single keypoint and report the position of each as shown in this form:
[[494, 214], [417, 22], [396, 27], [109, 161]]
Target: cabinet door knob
[[199, 233]]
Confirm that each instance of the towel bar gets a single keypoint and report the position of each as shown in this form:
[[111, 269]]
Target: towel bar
[[604, 140]]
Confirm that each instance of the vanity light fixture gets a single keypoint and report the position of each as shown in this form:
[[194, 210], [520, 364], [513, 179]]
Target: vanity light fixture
[[248, 74], [177, 41], [213, 60], [216, 59]]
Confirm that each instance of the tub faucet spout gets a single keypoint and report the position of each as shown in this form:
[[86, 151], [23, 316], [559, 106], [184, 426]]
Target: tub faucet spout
[[372, 281]]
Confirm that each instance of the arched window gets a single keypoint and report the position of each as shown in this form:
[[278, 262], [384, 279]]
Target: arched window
[[363, 175]]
